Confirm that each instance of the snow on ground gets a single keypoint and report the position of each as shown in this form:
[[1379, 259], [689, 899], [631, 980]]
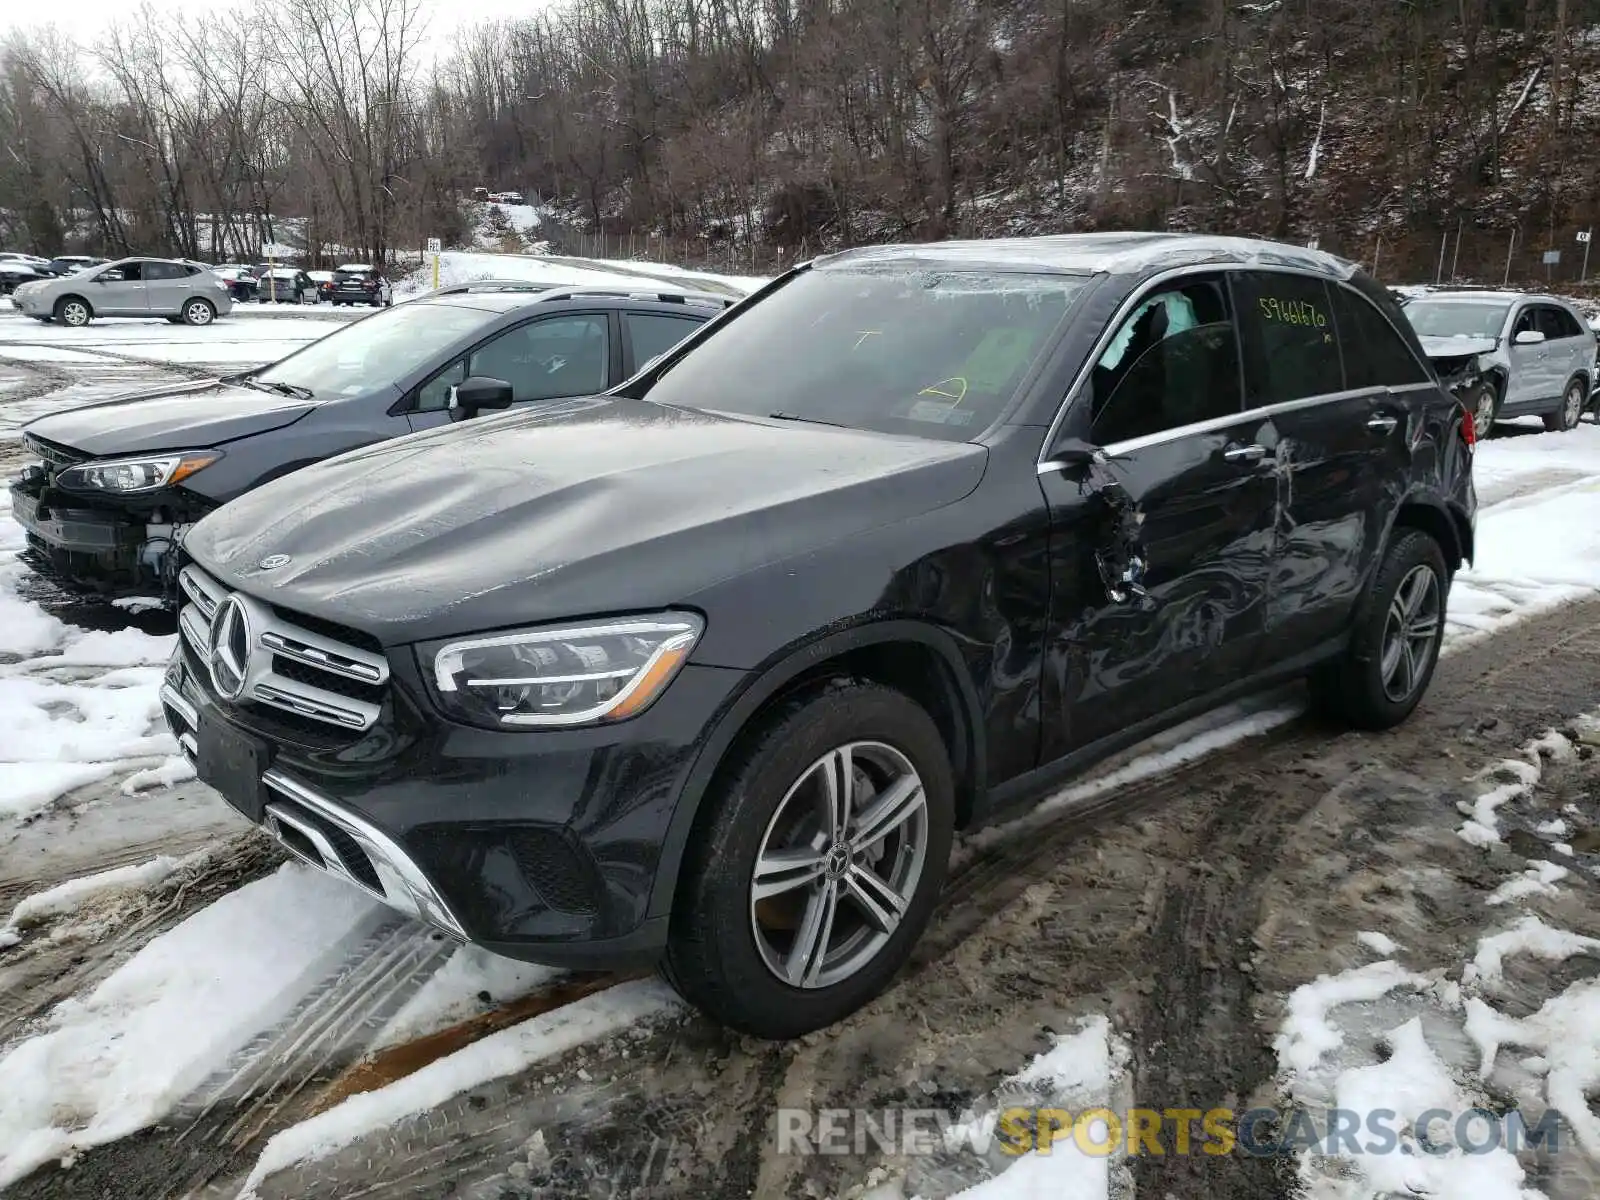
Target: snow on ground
[[112, 1062], [80, 707], [1387, 1038], [508, 1052], [1079, 1073]]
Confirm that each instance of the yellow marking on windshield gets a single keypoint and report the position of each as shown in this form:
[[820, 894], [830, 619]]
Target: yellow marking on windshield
[[865, 334], [937, 389]]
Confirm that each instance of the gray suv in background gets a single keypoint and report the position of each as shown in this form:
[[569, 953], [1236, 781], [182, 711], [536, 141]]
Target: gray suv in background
[[1508, 354], [130, 287]]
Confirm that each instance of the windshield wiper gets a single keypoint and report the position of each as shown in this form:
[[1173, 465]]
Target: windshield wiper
[[789, 416], [289, 389]]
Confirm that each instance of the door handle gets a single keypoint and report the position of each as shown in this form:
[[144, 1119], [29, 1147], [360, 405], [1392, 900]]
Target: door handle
[[1251, 453], [1383, 424]]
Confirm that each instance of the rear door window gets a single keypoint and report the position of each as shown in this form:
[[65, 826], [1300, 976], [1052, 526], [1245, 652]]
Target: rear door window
[[1291, 344], [1557, 323], [1375, 355], [1173, 361], [652, 334]]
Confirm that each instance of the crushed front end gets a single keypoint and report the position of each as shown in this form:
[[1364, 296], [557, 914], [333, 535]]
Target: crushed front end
[[101, 540]]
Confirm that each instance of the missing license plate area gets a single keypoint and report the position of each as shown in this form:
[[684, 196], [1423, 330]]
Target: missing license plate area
[[232, 763]]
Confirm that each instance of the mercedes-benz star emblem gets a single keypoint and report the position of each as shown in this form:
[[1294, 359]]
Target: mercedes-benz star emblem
[[228, 648], [273, 561]]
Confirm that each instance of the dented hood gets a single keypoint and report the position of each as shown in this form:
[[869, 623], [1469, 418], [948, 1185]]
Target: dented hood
[[595, 506], [1457, 347]]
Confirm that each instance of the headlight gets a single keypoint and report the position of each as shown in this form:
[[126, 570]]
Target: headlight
[[135, 474], [600, 671]]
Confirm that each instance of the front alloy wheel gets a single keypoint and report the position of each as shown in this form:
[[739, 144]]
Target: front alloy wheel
[[840, 860], [1483, 407], [73, 312], [198, 312], [815, 861]]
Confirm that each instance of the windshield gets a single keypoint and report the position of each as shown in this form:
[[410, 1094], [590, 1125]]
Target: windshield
[[1457, 318], [380, 350], [921, 349]]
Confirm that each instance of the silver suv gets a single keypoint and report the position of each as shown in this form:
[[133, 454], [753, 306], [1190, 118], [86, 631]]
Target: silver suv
[[130, 287], [1508, 354]]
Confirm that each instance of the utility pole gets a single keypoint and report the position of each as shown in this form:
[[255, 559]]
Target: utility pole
[[1507, 281], [1584, 237]]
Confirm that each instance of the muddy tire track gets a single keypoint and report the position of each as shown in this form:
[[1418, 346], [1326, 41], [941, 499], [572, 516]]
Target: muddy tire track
[[1177, 906]]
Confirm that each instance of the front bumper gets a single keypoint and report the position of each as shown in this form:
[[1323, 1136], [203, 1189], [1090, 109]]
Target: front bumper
[[101, 548], [540, 845], [84, 545]]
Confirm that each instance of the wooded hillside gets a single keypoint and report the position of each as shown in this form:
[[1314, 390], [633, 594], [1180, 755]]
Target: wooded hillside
[[801, 125]]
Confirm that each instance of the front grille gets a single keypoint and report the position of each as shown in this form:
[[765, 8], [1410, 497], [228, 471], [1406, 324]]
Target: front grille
[[55, 457], [267, 655], [331, 629]]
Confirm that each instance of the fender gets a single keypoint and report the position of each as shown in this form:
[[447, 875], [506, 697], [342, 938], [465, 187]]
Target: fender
[[768, 681], [1457, 542]]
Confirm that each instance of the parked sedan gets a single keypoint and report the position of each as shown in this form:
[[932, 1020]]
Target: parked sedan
[[131, 287], [116, 485], [323, 281], [708, 671], [16, 270], [1508, 354]]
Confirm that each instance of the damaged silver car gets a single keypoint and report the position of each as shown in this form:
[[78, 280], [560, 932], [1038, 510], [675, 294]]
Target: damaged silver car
[[1508, 354]]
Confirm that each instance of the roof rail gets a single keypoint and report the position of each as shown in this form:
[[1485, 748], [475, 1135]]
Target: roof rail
[[710, 299]]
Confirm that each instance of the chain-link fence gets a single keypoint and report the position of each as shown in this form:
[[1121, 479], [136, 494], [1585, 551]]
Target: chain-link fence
[[1467, 254]]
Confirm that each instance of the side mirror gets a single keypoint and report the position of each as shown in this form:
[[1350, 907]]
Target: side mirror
[[1529, 337], [1075, 452], [472, 395]]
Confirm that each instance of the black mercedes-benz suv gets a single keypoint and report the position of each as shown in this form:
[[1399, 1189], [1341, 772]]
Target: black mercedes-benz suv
[[709, 670], [116, 486]]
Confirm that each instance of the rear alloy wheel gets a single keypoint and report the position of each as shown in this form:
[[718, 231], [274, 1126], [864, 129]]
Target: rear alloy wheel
[[818, 862], [1566, 418], [1395, 644], [73, 312], [199, 312]]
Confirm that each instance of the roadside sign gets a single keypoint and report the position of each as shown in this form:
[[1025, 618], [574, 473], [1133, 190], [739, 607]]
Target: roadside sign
[[435, 245], [1583, 236], [1551, 257]]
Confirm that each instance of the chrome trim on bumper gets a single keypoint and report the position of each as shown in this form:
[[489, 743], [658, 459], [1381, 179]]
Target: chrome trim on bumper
[[404, 886]]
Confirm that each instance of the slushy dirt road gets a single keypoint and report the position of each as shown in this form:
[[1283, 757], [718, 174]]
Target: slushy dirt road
[[1185, 908]]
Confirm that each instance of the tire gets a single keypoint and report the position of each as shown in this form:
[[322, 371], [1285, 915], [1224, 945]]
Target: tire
[[73, 311], [198, 312], [726, 948], [1483, 402], [1364, 689], [1574, 399]]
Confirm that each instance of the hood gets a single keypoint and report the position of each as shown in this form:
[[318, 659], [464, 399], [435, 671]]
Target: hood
[[1457, 347], [588, 507], [207, 413]]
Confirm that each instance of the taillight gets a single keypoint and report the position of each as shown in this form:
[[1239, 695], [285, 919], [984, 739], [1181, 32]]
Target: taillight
[[1469, 427]]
